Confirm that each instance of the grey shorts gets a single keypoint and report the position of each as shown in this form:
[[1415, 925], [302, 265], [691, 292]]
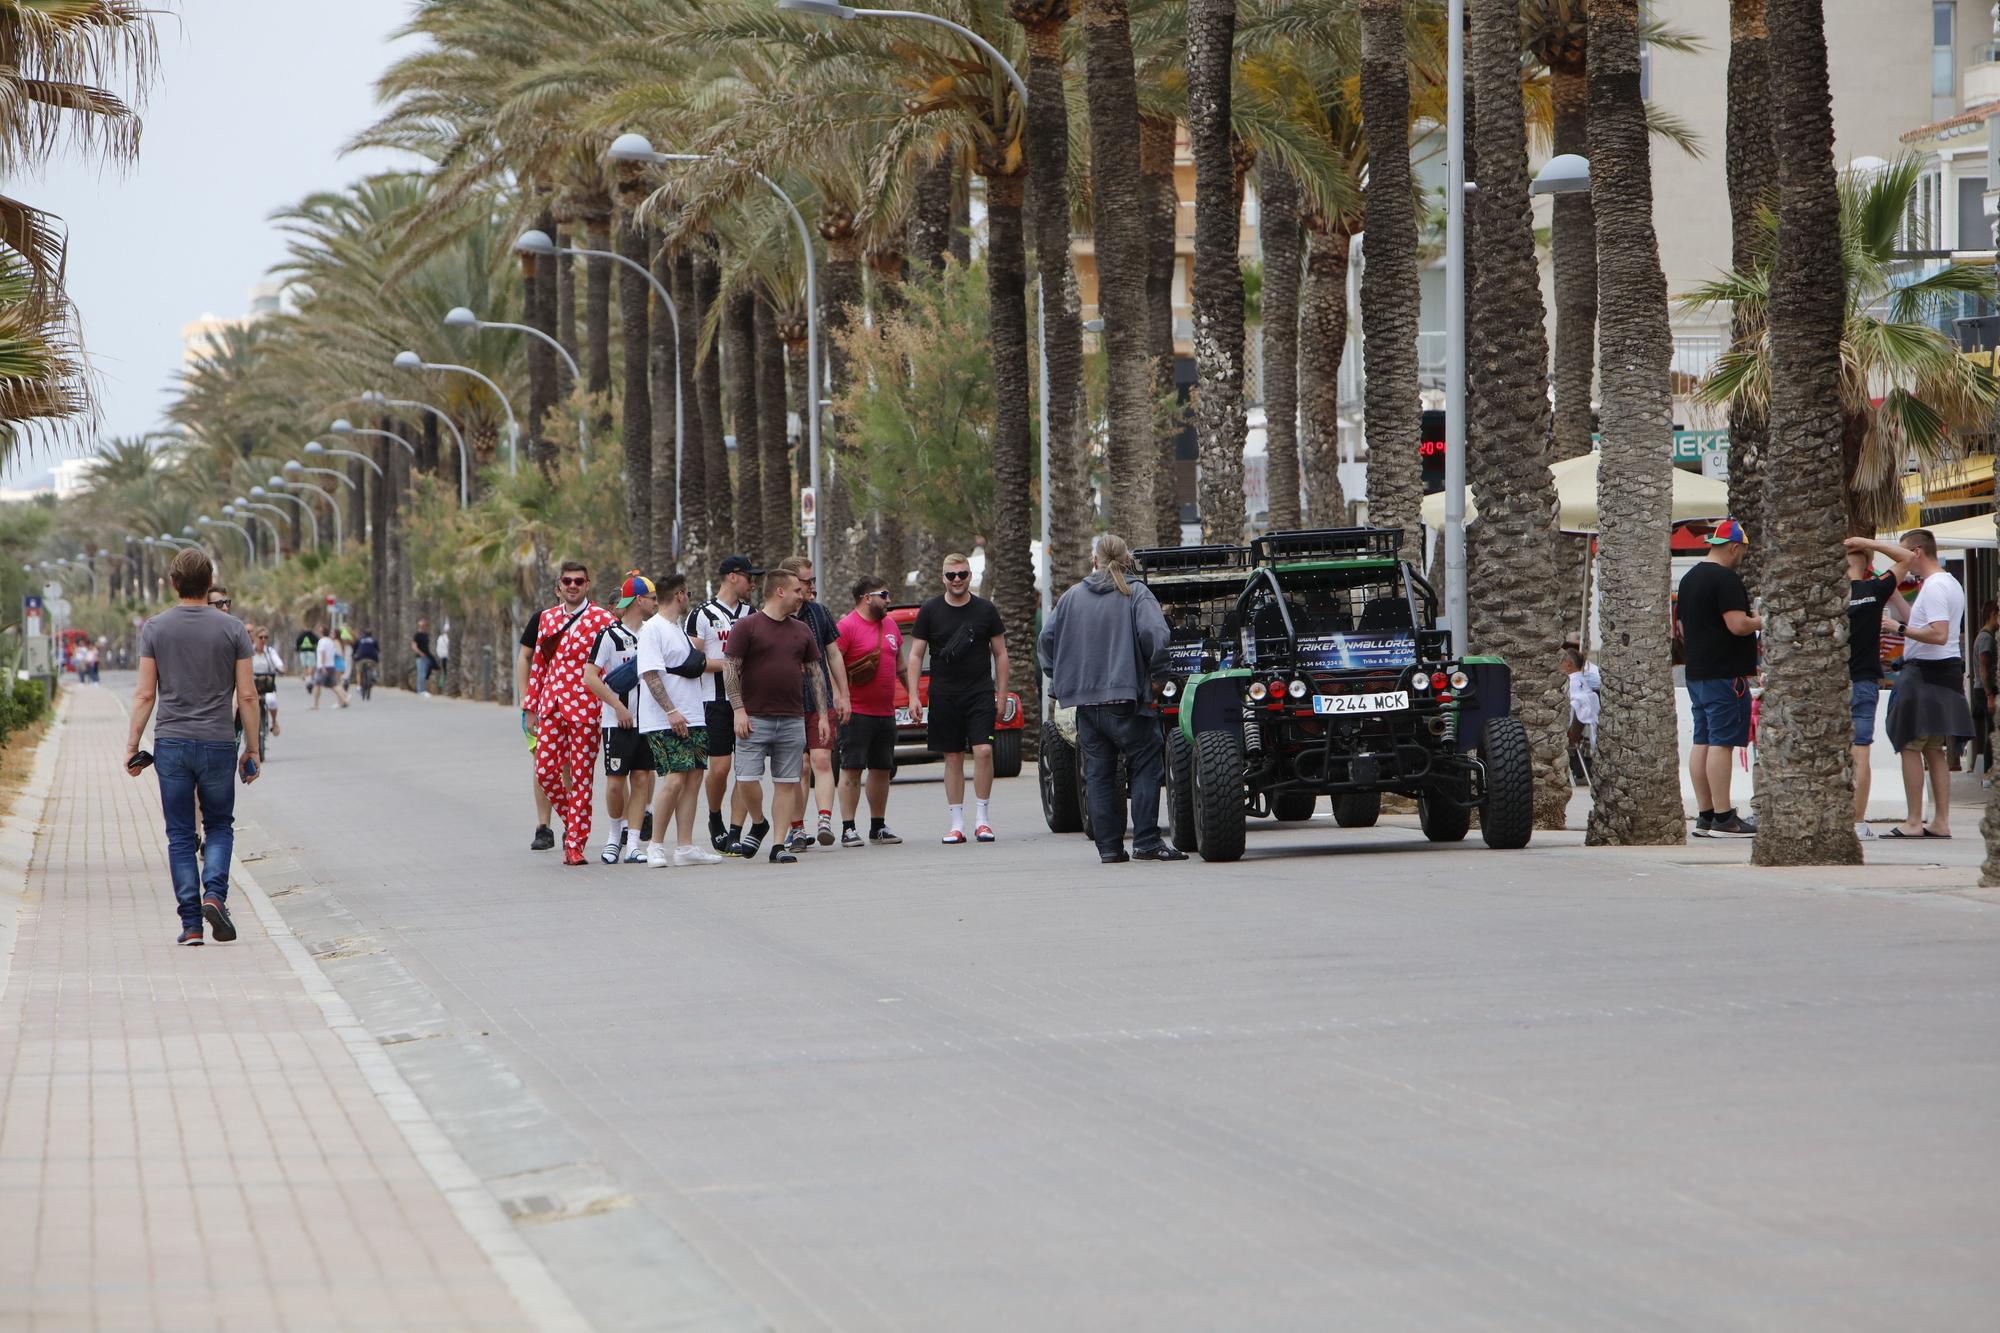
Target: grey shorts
[[781, 740]]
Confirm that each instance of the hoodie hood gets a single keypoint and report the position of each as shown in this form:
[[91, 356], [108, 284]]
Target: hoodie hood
[[1098, 581]]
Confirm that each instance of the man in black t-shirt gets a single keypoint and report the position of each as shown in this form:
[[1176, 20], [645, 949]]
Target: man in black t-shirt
[[1868, 597], [967, 646], [1719, 634]]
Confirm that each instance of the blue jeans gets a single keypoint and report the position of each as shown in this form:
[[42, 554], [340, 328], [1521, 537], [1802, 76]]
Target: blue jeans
[[1103, 732], [203, 771], [1863, 695], [1721, 711], [423, 674]]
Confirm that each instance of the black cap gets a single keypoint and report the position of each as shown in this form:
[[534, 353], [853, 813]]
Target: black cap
[[737, 564]]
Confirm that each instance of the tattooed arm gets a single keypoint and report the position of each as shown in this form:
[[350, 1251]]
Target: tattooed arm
[[657, 686]]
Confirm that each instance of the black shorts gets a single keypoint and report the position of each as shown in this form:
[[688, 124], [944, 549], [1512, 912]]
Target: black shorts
[[868, 742], [720, 719], [957, 722], [626, 751]]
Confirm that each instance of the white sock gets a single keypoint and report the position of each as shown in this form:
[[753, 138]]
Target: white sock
[[957, 818], [618, 832], [631, 835], [982, 812]]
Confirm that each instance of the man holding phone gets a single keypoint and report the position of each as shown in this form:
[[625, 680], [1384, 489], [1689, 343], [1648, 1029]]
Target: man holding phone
[[195, 664]]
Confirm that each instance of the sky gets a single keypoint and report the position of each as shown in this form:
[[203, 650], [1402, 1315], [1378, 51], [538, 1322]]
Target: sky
[[253, 101]]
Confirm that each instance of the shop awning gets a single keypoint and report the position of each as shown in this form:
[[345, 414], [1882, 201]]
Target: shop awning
[[1695, 497], [1967, 479], [1961, 534]]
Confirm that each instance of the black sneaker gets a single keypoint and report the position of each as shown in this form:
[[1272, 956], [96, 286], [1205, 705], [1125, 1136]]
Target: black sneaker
[[545, 838], [1729, 824], [646, 828], [190, 935], [883, 836], [781, 857], [1117, 858], [218, 918], [746, 845], [1163, 852], [1704, 824], [799, 841]]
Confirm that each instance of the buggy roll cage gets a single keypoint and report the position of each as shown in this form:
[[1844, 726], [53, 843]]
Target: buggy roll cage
[[1273, 548]]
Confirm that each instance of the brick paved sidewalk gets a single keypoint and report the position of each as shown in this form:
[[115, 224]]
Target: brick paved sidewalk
[[196, 1138]]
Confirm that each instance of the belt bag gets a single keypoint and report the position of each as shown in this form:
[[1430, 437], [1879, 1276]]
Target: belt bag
[[266, 684], [863, 668]]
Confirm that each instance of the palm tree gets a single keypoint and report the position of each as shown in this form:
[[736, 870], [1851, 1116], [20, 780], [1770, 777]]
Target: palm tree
[[634, 296], [718, 500], [1515, 606], [1750, 159], [739, 350], [1390, 297], [1637, 788], [1278, 233], [1805, 775], [1218, 274]]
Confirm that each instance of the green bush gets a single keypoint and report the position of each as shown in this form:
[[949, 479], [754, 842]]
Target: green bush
[[21, 706]]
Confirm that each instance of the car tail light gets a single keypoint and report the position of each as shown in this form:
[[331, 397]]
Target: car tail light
[[1258, 689], [1439, 680], [1459, 680], [1419, 681], [1297, 689]]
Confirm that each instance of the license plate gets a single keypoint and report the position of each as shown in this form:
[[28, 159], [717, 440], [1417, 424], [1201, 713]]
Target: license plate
[[1389, 701], [902, 717]]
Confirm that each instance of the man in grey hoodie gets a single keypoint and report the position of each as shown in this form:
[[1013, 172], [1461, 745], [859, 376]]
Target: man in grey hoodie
[[1099, 645]]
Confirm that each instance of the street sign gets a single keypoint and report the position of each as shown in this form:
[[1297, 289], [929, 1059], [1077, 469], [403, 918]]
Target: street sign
[[808, 512]]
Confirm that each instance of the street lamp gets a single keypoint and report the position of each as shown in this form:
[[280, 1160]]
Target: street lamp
[[342, 426], [210, 521], [827, 9], [1565, 173], [293, 465], [411, 361], [459, 317], [376, 398], [637, 149], [291, 524], [315, 449], [538, 243], [274, 487], [332, 499], [240, 508]]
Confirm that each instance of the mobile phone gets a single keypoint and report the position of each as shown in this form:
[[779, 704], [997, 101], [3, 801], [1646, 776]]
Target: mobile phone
[[140, 761], [249, 767]]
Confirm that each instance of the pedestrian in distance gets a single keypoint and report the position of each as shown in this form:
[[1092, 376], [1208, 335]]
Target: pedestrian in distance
[[194, 665], [1984, 645], [870, 648], [709, 625], [822, 729], [673, 717], [562, 713], [367, 662], [443, 656], [1927, 709], [266, 665], [326, 674], [420, 650], [1719, 632], [524, 660], [1583, 684], [1869, 596], [771, 692], [1098, 647], [307, 647], [966, 644], [628, 761]]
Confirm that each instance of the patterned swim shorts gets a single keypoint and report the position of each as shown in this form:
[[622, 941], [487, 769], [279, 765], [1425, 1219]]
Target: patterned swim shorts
[[675, 753]]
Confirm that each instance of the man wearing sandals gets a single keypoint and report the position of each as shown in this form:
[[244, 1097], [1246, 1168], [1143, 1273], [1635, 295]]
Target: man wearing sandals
[[967, 646]]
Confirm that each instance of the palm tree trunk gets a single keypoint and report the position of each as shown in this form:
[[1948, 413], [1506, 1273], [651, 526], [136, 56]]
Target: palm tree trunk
[[539, 311], [1163, 220], [718, 499], [1389, 285], [1519, 608], [961, 219], [792, 333], [1637, 787], [633, 295], [1119, 204], [1218, 271], [739, 331], [1805, 780], [668, 461], [1009, 570], [427, 452], [694, 456], [930, 238], [1278, 230], [597, 306], [1322, 344], [1750, 161], [840, 304], [1573, 246], [776, 510]]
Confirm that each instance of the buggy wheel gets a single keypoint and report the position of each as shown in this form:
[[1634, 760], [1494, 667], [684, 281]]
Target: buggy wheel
[[1292, 807], [1507, 816], [1442, 821], [1007, 754], [1357, 809], [1218, 795], [1061, 803], [1180, 792]]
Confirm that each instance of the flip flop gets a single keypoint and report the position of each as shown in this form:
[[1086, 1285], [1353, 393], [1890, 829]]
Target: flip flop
[[1946, 837], [1897, 832]]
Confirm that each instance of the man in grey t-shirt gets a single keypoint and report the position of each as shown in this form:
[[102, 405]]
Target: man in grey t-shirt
[[194, 662]]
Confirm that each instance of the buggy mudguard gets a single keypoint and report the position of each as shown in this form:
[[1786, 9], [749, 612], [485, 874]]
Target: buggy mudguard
[[1492, 696], [1213, 702]]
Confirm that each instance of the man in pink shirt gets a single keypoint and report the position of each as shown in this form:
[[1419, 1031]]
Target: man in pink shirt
[[871, 646]]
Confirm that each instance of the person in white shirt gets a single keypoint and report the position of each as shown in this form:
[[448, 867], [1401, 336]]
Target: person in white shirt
[[672, 719], [628, 763], [709, 625], [1928, 711], [326, 675], [266, 660]]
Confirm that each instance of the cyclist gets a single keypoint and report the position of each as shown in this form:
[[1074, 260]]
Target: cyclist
[[266, 665], [367, 661]]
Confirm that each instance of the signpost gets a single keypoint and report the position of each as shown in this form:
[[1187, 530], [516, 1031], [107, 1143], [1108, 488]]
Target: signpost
[[808, 512]]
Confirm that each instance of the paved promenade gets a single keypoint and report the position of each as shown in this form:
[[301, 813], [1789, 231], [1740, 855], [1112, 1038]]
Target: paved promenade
[[196, 1138]]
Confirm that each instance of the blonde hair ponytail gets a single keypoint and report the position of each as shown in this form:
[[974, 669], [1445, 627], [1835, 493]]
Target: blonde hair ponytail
[[1114, 557]]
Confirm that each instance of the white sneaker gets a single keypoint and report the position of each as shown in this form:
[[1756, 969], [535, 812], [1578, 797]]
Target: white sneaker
[[1863, 830], [695, 856], [656, 855]]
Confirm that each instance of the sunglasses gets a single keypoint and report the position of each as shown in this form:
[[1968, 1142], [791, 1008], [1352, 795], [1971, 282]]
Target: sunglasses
[[576, 583], [883, 593], [224, 601], [958, 575]]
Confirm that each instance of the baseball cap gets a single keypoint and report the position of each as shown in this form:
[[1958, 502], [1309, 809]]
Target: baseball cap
[[736, 564], [634, 586], [1726, 532]]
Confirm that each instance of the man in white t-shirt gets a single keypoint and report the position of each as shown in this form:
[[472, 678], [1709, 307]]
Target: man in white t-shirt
[[671, 717], [628, 763], [709, 625], [326, 671], [1928, 711]]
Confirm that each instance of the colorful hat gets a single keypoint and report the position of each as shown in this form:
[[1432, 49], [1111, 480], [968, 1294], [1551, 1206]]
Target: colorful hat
[[636, 585], [1726, 533]]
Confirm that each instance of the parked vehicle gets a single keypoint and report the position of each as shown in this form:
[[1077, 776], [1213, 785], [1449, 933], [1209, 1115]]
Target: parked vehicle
[[913, 746]]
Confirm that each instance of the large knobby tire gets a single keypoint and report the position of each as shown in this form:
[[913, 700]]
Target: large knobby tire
[[1507, 817], [1218, 795], [1062, 800], [1181, 824], [1007, 753], [1442, 821], [1292, 807], [1357, 809]]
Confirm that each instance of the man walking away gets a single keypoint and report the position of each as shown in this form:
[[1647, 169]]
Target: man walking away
[[562, 712], [967, 646], [769, 690], [821, 728], [367, 662], [672, 717], [1868, 599], [524, 660], [709, 625], [1927, 710], [628, 763], [1719, 633], [308, 656], [420, 647], [327, 676], [194, 661], [871, 649], [1098, 648]]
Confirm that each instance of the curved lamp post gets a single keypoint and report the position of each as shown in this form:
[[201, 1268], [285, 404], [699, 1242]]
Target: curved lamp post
[[315, 448], [274, 488], [411, 361], [294, 465], [242, 511], [83, 563], [376, 398], [291, 524], [459, 317], [210, 521], [538, 243], [303, 488]]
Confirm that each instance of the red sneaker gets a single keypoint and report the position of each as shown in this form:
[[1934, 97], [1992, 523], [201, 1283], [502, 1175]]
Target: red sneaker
[[571, 858]]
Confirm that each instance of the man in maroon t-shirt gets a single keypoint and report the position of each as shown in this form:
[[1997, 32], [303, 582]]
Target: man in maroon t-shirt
[[871, 645], [769, 688]]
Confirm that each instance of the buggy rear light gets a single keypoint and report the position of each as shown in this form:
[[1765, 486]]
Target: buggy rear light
[[1258, 689], [1439, 680], [1419, 681], [1459, 680], [1169, 690], [1297, 689]]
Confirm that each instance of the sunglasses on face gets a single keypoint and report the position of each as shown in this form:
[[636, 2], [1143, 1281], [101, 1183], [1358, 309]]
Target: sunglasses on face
[[958, 575], [883, 593], [219, 602], [576, 583]]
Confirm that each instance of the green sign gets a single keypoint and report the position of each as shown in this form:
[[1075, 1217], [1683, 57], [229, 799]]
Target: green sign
[[1691, 446]]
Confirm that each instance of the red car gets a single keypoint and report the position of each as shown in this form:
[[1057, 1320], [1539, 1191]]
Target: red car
[[911, 744]]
